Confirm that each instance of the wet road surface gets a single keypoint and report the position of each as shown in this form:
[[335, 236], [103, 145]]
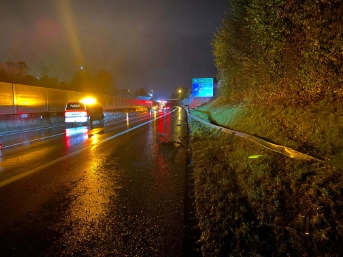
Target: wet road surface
[[101, 191]]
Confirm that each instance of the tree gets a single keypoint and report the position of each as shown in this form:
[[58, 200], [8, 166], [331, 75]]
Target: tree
[[30, 80], [103, 80], [140, 92], [48, 82], [45, 80], [13, 72], [82, 81], [181, 93], [280, 49], [43, 71]]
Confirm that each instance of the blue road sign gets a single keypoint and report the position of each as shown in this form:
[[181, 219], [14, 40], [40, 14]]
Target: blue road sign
[[202, 87]]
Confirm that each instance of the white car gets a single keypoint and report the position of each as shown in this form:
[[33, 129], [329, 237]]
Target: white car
[[78, 112]]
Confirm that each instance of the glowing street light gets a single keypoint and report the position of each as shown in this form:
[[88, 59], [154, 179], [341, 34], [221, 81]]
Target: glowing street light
[[88, 100]]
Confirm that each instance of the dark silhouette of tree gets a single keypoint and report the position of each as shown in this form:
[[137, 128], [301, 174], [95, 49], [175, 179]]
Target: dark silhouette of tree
[[45, 80], [43, 71], [82, 81], [48, 82], [63, 85], [30, 80], [103, 81], [140, 92], [14, 72], [181, 93]]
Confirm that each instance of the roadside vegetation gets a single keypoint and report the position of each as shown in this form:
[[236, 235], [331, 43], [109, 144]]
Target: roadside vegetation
[[280, 65], [270, 205], [82, 80]]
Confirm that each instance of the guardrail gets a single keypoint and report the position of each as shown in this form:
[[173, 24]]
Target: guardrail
[[23, 99], [273, 147]]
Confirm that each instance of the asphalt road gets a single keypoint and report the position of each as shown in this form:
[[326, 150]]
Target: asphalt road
[[112, 190]]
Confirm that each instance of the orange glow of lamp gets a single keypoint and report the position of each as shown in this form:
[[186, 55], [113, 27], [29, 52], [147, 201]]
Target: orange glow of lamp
[[88, 100]]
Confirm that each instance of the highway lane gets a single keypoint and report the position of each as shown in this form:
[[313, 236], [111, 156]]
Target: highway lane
[[28, 149], [26, 136], [111, 190]]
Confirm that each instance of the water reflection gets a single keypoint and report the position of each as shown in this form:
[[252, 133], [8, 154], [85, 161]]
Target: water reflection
[[21, 138], [163, 125], [75, 131], [164, 152], [179, 115], [91, 200], [127, 121], [76, 135], [167, 146], [21, 161], [94, 138]]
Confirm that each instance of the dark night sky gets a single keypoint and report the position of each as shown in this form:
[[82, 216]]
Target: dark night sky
[[153, 44]]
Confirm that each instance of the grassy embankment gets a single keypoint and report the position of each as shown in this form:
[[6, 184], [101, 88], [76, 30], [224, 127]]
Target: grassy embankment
[[271, 205]]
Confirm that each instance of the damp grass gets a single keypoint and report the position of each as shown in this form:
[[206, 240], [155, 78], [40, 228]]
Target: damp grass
[[315, 129], [270, 205]]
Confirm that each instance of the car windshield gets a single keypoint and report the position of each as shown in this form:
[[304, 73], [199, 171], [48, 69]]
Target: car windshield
[[75, 106]]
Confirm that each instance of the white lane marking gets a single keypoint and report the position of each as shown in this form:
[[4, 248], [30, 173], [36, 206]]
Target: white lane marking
[[32, 171], [43, 128], [28, 130], [26, 142]]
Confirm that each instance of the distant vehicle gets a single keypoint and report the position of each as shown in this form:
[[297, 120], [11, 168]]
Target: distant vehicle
[[83, 112], [154, 108]]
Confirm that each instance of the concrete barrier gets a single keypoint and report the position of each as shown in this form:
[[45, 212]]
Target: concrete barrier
[[13, 122]]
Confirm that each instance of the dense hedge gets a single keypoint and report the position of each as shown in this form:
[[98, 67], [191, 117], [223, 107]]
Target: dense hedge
[[286, 50]]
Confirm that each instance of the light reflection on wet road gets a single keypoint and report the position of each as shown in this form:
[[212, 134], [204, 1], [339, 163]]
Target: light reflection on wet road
[[25, 151], [118, 197]]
